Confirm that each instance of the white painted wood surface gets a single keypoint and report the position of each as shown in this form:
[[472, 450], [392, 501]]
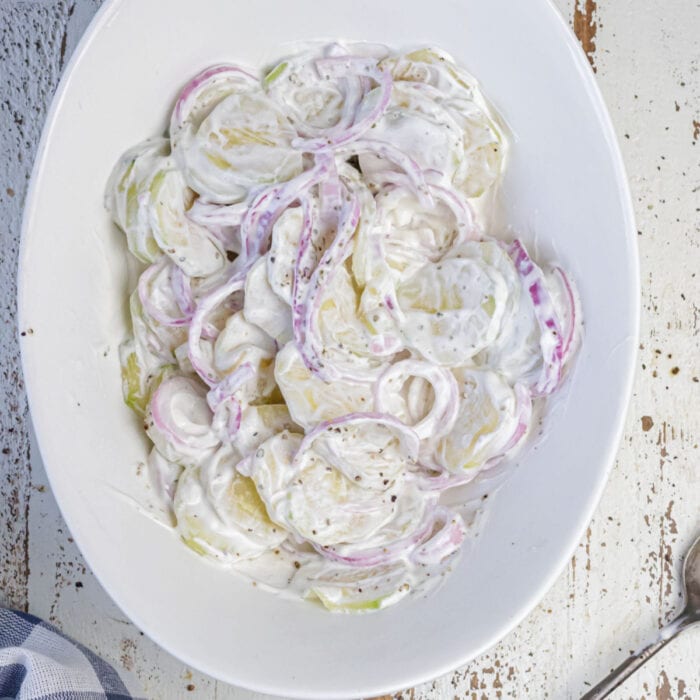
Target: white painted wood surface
[[623, 581]]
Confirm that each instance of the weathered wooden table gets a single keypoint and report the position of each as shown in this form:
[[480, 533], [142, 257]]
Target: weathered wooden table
[[623, 581]]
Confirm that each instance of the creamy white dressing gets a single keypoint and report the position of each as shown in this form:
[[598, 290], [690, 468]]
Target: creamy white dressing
[[326, 344]]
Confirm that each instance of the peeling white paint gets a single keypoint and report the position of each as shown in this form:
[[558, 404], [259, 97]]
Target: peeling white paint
[[624, 579]]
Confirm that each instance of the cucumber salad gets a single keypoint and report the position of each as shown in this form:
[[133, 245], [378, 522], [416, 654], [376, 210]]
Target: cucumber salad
[[326, 339]]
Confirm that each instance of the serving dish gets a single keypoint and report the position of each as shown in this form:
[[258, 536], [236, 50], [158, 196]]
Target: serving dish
[[565, 194]]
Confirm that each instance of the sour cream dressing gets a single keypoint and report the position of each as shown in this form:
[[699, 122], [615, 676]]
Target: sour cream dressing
[[326, 341]]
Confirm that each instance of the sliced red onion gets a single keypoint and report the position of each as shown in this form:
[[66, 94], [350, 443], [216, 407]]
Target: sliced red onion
[[448, 536], [257, 224], [439, 535], [467, 228], [386, 150], [226, 407], [343, 203], [386, 554], [339, 138], [227, 419], [245, 466], [355, 90], [305, 315], [443, 480], [267, 207], [570, 299], [523, 418], [225, 389], [182, 291], [464, 214], [330, 195], [205, 306], [442, 414], [147, 276], [303, 269], [208, 78], [552, 337], [407, 435]]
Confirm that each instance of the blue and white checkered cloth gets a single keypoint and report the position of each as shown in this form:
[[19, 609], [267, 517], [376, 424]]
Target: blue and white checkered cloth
[[37, 662]]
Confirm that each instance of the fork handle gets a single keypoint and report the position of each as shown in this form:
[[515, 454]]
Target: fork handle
[[617, 677]]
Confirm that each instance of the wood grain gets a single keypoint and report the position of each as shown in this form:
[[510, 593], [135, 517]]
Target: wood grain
[[586, 27], [30, 71], [623, 581]]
